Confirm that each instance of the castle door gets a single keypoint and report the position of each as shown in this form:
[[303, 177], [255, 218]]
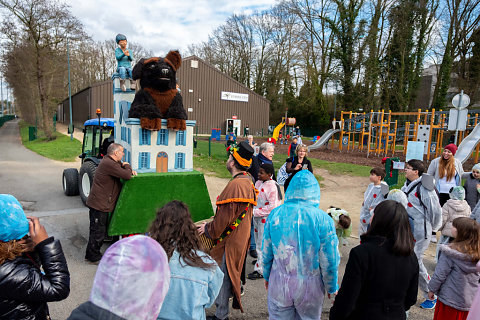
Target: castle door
[[162, 162]]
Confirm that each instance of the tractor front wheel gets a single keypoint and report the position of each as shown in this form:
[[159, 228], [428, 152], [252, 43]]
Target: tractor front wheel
[[85, 181], [70, 181]]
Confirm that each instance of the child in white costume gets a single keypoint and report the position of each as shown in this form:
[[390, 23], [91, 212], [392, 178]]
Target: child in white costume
[[269, 197], [371, 198], [424, 207]]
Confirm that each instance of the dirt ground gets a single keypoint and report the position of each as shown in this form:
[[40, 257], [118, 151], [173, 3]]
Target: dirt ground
[[332, 192]]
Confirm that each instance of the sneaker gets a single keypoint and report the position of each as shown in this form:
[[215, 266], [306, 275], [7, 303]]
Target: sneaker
[[255, 275], [92, 262], [253, 254], [433, 239], [242, 292], [428, 304]]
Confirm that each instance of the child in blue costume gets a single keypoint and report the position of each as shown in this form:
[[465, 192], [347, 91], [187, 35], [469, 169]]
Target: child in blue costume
[[124, 60], [300, 253]]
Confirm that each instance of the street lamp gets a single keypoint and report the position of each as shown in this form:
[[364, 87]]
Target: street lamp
[[70, 127]]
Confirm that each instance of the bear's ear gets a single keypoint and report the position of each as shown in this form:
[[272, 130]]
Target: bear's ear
[[137, 70], [175, 58]]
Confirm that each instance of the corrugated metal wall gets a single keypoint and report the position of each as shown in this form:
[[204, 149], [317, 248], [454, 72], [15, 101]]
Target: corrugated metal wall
[[102, 97], [201, 90]]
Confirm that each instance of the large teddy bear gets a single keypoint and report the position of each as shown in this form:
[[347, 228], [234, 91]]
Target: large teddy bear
[[158, 97]]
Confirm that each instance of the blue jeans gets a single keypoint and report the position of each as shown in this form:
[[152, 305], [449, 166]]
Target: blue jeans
[[252, 238], [124, 72]]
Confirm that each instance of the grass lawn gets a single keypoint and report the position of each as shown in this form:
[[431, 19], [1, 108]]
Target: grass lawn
[[61, 149], [215, 165]]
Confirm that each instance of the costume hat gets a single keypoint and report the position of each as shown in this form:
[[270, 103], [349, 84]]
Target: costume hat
[[120, 37], [242, 154]]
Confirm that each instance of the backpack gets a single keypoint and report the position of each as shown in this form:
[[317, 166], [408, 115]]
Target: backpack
[[417, 188], [282, 174]]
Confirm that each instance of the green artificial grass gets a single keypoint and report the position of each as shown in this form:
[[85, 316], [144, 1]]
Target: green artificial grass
[[142, 195], [61, 149]]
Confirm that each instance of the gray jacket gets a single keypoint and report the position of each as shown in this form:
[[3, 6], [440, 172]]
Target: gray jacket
[[455, 281], [471, 194], [476, 213]]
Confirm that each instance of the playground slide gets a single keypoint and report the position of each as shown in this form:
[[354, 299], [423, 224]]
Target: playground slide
[[468, 144], [276, 132], [323, 139]]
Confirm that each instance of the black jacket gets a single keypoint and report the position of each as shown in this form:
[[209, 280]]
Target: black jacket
[[377, 283], [90, 311], [255, 167], [25, 291]]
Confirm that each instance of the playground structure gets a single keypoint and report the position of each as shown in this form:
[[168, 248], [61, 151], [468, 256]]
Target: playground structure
[[290, 122], [383, 132]]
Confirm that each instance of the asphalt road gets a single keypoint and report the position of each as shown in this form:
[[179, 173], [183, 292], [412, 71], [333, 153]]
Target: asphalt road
[[36, 182]]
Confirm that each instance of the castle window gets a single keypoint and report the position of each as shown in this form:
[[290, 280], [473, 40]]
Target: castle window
[[180, 160], [144, 137], [123, 134], [144, 160], [129, 138], [181, 138], [162, 137]]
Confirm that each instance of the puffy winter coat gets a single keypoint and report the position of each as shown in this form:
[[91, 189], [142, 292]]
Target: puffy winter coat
[[25, 290], [451, 210], [455, 281]]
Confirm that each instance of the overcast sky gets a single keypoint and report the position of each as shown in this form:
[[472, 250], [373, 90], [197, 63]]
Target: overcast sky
[[159, 25]]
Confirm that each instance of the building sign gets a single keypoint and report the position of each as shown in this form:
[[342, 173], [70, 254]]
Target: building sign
[[232, 96]]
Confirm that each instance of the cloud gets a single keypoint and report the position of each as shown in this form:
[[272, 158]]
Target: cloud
[[159, 25]]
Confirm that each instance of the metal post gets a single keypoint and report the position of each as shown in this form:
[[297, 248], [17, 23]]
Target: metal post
[[209, 146], [458, 116], [1, 94], [69, 91], [335, 101]]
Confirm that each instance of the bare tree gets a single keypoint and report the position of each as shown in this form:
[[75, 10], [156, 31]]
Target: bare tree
[[41, 26]]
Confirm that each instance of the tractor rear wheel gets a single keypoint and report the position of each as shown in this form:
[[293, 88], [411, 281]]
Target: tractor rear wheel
[[70, 181], [85, 181]]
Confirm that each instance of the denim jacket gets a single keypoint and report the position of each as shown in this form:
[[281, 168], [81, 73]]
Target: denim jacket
[[192, 289]]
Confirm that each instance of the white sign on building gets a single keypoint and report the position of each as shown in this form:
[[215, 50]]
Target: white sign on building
[[233, 96]]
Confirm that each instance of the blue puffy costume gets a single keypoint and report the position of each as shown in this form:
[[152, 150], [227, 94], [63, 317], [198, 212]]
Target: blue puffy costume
[[300, 250]]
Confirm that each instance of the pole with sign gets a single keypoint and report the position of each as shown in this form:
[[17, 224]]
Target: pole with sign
[[458, 116]]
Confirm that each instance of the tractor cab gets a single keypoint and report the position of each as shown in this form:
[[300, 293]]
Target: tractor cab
[[98, 134]]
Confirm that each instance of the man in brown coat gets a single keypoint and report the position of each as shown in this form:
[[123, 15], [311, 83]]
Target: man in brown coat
[[104, 195], [230, 227]]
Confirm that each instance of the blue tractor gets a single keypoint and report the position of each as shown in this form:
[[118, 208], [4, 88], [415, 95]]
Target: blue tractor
[[98, 134]]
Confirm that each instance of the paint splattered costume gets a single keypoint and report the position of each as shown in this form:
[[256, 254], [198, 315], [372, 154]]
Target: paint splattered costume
[[371, 198], [426, 217], [300, 254], [268, 199]]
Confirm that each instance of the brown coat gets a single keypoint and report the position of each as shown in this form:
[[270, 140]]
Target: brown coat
[[239, 193], [107, 185]]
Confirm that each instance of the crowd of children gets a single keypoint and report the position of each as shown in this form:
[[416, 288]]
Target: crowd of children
[[297, 256]]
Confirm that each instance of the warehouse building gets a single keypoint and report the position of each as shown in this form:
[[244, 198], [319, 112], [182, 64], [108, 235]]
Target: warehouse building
[[209, 96]]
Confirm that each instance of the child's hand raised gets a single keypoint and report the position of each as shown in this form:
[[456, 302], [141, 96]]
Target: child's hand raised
[[36, 230]]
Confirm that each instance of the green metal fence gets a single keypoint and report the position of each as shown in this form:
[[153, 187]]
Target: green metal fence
[[5, 119]]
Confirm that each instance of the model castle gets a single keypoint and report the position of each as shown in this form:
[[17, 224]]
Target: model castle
[[150, 151]]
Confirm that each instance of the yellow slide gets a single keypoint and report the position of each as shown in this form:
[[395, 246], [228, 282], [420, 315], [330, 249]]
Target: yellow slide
[[277, 130]]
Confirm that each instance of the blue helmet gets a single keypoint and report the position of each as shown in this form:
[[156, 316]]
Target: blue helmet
[[120, 37]]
